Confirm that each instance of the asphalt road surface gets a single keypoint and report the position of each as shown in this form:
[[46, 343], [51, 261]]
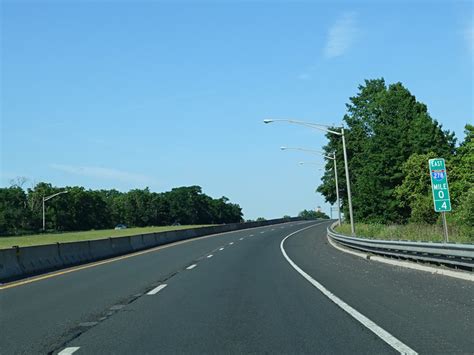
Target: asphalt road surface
[[261, 290]]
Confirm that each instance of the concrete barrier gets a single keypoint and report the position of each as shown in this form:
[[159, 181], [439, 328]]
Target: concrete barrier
[[9, 266], [75, 253], [137, 242], [101, 249], [121, 245], [20, 262], [149, 240], [39, 258]]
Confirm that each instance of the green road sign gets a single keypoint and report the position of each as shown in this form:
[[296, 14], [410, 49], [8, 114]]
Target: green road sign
[[439, 185]]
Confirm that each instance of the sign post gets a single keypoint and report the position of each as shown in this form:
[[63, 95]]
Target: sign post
[[440, 189]]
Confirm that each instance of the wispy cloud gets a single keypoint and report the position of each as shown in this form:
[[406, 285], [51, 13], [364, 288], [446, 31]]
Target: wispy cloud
[[307, 73], [469, 35], [104, 173], [341, 35], [304, 76]]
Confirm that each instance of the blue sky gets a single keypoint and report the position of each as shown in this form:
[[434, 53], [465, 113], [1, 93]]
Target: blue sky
[[164, 94]]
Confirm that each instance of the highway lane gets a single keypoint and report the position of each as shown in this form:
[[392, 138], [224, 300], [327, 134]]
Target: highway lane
[[244, 298], [40, 316]]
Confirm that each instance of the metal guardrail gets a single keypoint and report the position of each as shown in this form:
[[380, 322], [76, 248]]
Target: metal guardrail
[[457, 255]]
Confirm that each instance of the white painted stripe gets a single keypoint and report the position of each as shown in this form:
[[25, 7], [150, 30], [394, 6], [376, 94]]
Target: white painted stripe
[[210, 256], [380, 332], [68, 351], [262, 232], [241, 239], [273, 229], [221, 249], [251, 235], [190, 267], [231, 243], [157, 289]]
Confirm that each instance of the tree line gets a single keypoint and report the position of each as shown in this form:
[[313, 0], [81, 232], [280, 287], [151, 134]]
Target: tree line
[[390, 136], [85, 209]]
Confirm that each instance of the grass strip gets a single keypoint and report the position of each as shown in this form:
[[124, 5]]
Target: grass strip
[[51, 238], [410, 232]]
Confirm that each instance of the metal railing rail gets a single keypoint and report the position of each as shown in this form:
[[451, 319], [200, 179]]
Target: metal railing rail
[[457, 255]]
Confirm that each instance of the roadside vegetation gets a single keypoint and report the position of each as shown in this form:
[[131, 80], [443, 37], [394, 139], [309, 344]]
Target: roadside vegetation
[[67, 237], [390, 137], [306, 214], [410, 231], [81, 209]]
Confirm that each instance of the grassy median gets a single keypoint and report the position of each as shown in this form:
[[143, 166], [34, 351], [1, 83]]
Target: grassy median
[[51, 238], [411, 232]]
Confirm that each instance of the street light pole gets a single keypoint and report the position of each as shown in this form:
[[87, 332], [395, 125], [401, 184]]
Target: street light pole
[[326, 128], [333, 158], [337, 189], [46, 199], [349, 195]]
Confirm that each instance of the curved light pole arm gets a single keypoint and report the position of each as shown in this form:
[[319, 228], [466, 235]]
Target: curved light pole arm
[[309, 151], [46, 199], [321, 127], [54, 195]]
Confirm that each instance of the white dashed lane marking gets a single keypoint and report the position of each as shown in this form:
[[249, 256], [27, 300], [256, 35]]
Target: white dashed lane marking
[[210, 256], [68, 351], [231, 243], [157, 289], [190, 267], [221, 249]]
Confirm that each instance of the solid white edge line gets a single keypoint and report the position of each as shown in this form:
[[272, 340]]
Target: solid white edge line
[[380, 332], [157, 289], [69, 350], [190, 267], [406, 264]]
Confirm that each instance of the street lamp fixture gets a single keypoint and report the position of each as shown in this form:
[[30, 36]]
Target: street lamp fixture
[[46, 198], [331, 157], [326, 128]]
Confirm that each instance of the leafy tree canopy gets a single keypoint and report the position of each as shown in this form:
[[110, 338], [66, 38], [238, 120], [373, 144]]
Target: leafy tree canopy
[[385, 125]]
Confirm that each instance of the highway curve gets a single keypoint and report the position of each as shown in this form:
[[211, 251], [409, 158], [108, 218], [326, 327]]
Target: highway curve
[[240, 292]]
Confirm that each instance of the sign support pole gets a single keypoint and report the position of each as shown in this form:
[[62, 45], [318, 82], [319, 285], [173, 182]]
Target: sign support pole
[[445, 227]]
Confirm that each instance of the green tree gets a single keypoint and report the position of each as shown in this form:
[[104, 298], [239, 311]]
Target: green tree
[[35, 204], [385, 126], [461, 180], [309, 214], [414, 193], [82, 209], [14, 212]]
